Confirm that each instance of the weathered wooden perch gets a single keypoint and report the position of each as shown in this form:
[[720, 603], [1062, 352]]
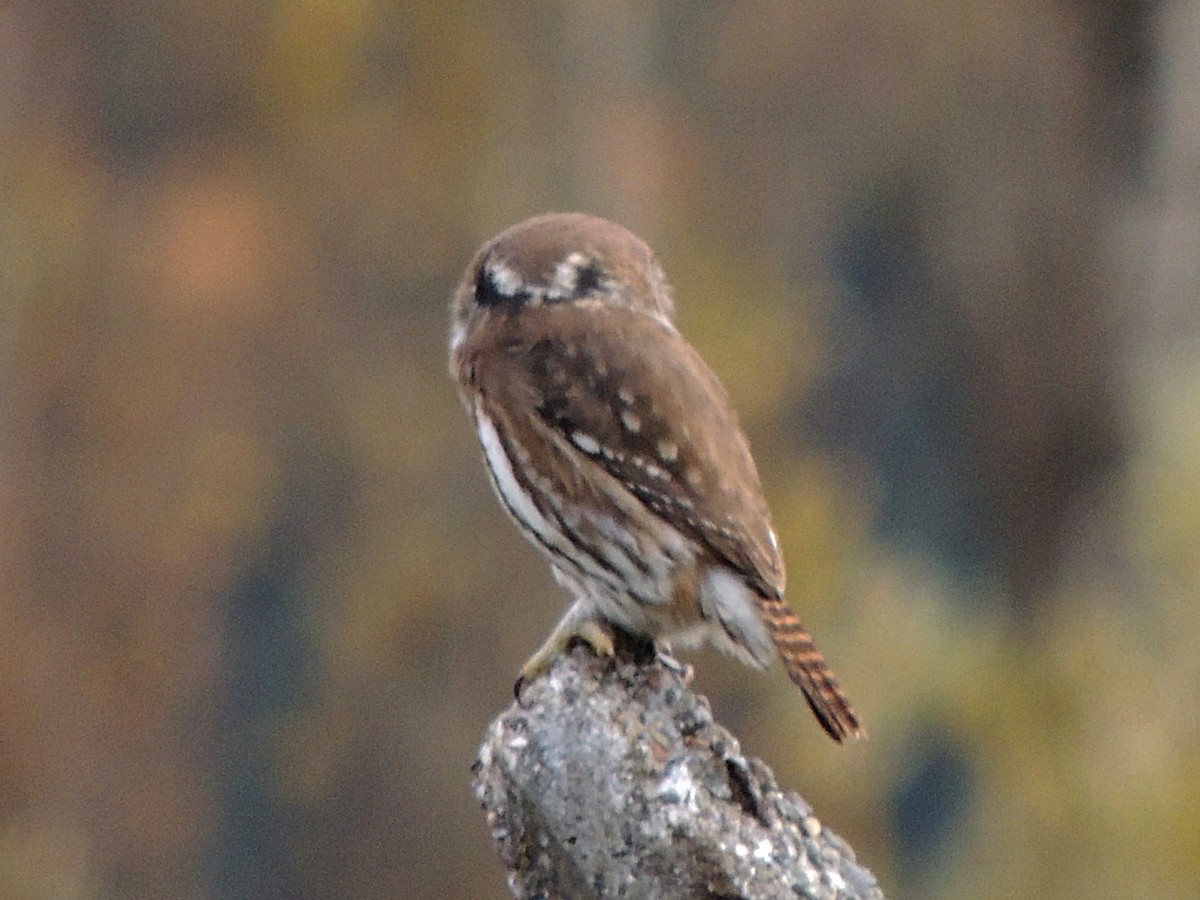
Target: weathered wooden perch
[[612, 780]]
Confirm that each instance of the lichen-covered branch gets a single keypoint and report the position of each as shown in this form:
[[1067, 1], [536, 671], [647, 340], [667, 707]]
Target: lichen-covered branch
[[612, 780]]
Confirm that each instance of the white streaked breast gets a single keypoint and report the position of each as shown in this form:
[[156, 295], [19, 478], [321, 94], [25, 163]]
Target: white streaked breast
[[609, 564], [506, 482]]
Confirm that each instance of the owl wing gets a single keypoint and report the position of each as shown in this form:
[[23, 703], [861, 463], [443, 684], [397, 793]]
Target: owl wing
[[627, 392]]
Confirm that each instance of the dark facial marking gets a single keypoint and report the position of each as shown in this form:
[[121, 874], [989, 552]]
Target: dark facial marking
[[488, 294], [589, 279]]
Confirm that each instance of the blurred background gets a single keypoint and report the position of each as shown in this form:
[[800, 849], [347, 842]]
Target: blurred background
[[258, 602]]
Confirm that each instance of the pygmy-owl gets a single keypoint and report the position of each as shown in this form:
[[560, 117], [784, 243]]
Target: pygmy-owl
[[616, 451]]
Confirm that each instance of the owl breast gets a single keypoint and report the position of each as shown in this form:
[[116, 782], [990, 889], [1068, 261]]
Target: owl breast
[[632, 567]]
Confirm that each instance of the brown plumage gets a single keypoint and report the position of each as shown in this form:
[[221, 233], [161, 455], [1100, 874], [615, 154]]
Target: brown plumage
[[617, 452], [809, 671]]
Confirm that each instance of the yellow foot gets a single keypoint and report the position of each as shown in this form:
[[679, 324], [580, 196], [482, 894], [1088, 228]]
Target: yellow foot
[[592, 632]]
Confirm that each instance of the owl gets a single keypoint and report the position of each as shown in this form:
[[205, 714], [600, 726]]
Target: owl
[[617, 453]]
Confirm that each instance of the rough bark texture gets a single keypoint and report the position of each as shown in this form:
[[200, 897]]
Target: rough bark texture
[[612, 780]]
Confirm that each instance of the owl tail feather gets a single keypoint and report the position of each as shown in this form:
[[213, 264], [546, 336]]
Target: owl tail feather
[[809, 671]]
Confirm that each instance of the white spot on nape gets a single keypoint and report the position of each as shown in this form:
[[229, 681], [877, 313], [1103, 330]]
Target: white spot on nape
[[566, 276], [503, 277], [667, 451], [585, 442], [624, 395], [631, 422]]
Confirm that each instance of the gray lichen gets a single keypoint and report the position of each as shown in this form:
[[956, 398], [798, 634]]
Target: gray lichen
[[612, 780]]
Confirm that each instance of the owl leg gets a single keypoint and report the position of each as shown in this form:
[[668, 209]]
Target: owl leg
[[580, 621]]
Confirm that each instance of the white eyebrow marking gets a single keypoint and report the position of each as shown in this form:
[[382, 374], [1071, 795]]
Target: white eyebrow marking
[[566, 276], [503, 276]]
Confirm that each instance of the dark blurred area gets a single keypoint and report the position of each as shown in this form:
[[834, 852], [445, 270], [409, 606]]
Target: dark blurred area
[[258, 602]]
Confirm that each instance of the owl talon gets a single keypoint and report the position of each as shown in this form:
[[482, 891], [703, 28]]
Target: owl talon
[[596, 636], [573, 626]]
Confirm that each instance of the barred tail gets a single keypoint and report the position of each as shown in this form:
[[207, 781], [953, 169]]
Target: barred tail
[[808, 670]]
